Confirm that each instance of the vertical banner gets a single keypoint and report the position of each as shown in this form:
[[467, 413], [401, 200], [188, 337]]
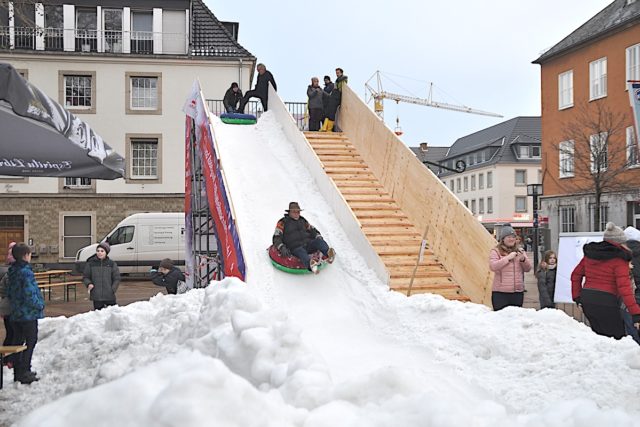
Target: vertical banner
[[189, 258], [229, 249], [634, 98]]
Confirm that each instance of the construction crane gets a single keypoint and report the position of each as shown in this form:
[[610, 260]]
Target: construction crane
[[379, 95]]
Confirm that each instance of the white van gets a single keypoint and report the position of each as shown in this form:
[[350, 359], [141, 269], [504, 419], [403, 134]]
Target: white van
[[141, 241]]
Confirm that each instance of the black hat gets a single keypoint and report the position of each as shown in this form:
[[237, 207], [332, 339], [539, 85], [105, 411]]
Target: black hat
[[294, 206], [327, 78], [166, 263]]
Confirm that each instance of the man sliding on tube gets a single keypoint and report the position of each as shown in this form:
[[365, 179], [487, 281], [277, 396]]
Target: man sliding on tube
[[295, 236]]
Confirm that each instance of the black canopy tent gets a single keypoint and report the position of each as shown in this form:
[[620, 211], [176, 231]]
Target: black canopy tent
[[39, 137]]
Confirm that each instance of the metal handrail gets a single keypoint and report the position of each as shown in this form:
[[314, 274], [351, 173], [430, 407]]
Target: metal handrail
[[298, 110]]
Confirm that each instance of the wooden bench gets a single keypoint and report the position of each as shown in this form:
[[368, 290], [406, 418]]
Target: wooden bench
[[66, 285], [5, 351]]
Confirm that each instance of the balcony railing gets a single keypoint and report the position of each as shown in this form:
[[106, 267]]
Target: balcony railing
[[296, 109], [81, 40]]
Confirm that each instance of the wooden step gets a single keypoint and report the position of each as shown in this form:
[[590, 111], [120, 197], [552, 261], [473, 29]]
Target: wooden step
[[359, 177], [340, 158], [373, 231], [420, 273], [379, 214], [360, 184], [368, 198], [355, 206], [352, 170], [424, 283]]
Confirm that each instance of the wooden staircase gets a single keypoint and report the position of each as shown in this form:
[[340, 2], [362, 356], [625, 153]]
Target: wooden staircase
[[388, 229]]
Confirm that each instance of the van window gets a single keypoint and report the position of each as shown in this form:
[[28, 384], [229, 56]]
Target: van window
[[121, 235]]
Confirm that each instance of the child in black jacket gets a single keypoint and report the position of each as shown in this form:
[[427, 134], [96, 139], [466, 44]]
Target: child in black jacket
[[168, 276]]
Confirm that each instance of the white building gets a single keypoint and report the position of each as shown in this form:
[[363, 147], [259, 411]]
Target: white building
[[500, 162], [126, 69]]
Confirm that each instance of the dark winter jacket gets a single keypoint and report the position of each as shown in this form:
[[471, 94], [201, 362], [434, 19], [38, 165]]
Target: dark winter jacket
[[605, 269], [634, 245], [294, 233], [26, 299], [330, 104], [315, 97], [262, 84], [105, 276], [546, 286], [169, 280], [231, 99], [329, 87]]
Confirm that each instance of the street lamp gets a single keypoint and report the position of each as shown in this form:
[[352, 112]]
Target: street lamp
[[535, 190]]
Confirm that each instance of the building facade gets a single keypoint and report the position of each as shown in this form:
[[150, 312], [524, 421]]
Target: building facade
[[589, 142], [500, 162], [126, 69]]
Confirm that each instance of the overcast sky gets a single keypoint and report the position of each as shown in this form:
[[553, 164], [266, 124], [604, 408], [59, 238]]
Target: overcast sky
[[476, 53]]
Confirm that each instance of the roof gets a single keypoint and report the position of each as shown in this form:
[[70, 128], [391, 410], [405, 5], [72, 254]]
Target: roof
[[519, 130], [615, 16], [433, 154], [211, 38]]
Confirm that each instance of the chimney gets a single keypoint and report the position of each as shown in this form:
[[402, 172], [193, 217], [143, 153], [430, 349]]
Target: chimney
[[424, 147]]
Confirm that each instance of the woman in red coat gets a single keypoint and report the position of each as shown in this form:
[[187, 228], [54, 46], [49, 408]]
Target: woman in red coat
[[605, 270]]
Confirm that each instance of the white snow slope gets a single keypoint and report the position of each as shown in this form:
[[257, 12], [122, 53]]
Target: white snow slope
[[336, 349]]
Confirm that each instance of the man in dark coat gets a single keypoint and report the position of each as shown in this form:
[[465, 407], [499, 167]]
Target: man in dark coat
[[261, 90], [168, 276], [330, 108], [232, 97], [295, 236], [315, 94]]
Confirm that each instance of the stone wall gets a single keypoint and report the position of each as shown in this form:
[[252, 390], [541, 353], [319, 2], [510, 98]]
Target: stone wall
[[42, 214]]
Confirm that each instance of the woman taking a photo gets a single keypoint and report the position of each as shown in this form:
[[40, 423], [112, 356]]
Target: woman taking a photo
[[509, 263]]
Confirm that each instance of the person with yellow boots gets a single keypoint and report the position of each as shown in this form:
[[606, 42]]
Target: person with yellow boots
[[330, 103]]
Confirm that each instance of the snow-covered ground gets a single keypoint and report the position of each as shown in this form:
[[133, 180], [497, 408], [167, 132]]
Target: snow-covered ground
[[335, 349]]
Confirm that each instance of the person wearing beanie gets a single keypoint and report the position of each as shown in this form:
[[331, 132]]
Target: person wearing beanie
[[5, 307], [601, 279], [509, 263], [167, 275], [101, 277]]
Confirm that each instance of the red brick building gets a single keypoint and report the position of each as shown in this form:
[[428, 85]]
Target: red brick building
[[587, 123]]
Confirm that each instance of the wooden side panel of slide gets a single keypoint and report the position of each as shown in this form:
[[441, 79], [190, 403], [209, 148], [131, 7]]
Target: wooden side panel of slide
[[459, 241]]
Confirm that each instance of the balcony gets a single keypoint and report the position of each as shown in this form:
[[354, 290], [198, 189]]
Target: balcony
[[97, 41]]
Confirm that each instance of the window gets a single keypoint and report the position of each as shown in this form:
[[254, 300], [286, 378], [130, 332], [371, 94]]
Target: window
[[112, 30], [480, 206], [144, 158], [54, 25], [535, 151], [466, 204], [599, 157], [521, 203], [489, 179], [521, 177], [144, 155], [566, 159], [470, 159], [473, 182], [481, 181], [121, 235], [633, 158], [78, 91], [452, 185], [76, 233], [458, 186], [598, 79], [142, 32], [77, 183], [144, 93], [473, 206], [489, 205], [567, 219], [86, 30], [604, 216], [478, 157], [565, 90], [633, 63], [174, 31], [466, 183]]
